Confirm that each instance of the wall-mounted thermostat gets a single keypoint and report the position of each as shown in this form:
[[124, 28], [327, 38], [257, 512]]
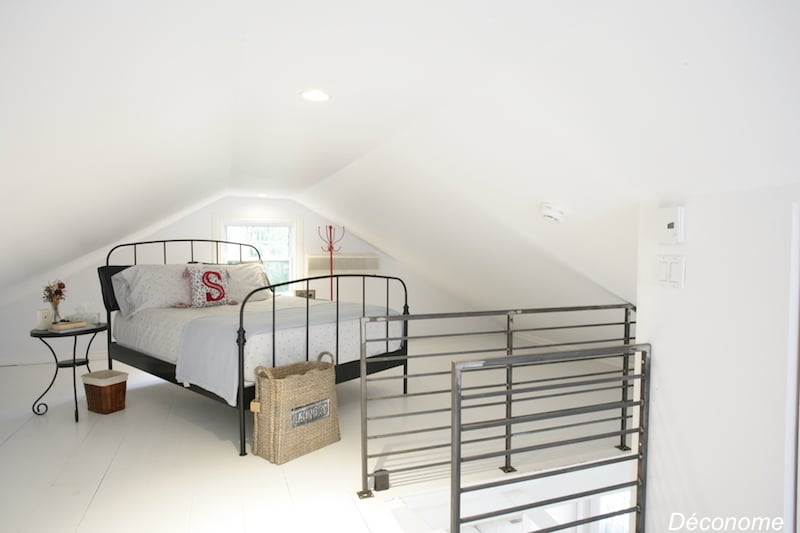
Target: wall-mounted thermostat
[[671, 224]]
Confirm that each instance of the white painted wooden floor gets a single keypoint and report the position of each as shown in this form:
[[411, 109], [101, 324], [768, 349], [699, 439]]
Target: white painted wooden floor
[[168, 462]]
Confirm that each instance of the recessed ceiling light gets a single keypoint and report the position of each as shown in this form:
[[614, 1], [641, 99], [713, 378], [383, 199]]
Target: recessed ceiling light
[[315, 95]]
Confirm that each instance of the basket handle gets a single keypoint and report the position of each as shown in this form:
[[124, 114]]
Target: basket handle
[[264, 372], [329, 354]]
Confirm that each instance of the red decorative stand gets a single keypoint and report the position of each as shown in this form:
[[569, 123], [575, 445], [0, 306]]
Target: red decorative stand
[[330, 240]]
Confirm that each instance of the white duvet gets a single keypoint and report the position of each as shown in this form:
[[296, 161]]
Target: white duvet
[[202, 342]]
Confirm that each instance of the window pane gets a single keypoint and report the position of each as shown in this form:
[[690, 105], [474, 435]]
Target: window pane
[[273, 242], [277, 271]]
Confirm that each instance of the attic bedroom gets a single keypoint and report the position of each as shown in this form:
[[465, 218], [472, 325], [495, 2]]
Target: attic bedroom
[[446, 129]]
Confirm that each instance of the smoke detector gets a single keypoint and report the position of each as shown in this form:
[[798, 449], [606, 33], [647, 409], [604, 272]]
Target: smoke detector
[[552, 213]]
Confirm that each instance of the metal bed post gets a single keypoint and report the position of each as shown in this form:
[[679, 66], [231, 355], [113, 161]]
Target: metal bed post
[[109, 340], [274, 349], [337, 318], [240, 341], [308, 333]]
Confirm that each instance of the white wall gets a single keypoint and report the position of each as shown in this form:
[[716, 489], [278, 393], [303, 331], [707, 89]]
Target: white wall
[[18, 307], [722, 350]]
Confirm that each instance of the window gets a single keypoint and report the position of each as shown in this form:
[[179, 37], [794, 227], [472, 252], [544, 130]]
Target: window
[[274, 240]]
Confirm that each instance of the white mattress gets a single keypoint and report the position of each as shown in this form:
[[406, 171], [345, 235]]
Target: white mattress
[[202, 342]]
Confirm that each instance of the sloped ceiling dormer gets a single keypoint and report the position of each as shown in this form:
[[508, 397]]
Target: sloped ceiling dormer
[[449, 123]]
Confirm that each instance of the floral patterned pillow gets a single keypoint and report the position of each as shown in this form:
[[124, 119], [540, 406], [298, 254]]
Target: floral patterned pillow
[[209, 286]]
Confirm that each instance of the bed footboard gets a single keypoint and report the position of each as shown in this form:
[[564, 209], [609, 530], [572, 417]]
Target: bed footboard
[[346, 370], [391, 290]]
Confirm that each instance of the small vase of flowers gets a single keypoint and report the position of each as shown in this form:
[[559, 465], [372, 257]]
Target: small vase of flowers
[[55, 293]]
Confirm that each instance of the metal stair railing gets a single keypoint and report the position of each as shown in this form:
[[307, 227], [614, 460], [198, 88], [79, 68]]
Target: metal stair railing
[[566, 427]]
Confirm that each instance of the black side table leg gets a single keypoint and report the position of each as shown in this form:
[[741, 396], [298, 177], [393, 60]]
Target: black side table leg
[[74, 379], [40, 408]]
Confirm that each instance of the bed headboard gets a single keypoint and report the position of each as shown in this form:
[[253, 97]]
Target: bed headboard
[[105, 273], [170, 251]]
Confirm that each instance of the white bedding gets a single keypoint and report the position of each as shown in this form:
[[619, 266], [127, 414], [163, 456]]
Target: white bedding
[[202, 342]]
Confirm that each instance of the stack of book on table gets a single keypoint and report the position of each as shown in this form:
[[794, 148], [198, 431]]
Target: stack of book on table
[[68, 325]]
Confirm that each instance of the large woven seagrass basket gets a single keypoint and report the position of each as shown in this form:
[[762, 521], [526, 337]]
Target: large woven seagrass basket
[[295, 410]]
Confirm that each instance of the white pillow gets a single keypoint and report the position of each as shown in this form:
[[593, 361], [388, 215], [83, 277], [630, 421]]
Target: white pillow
[[120, 285], [151, 286], [245, 277]]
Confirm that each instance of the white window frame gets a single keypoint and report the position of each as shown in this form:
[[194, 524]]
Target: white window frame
[[295, 242]]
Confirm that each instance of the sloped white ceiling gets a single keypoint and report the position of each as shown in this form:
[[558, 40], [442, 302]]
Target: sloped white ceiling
[[449, 122]]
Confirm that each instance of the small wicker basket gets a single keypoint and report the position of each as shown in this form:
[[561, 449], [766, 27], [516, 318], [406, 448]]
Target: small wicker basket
[[295, 410], [105, 390]]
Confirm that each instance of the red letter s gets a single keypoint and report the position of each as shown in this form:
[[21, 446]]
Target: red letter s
[[213, 285]]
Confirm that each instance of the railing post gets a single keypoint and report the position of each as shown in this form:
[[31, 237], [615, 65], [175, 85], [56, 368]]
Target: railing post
[[644, 424], [507, 468], [623, 439], [455, 448], [364, 492]]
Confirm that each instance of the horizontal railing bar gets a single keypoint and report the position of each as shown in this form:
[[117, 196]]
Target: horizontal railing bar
[[432, 446], [543, 363], [500, 331], [543, 380], [448, 335], [550, 473], [404, 376], [546, 445], [546, 397], [501, 312], [423, 466], [570, 426], [377, 359], [492, 404], [575, 355], [502, 353], [408, 337], [554, 386], [574, 376], [571, 343], [376, 377], [589, 520], [610, 374], [410, 413], [434, 429], [410, 395], [497, 385], [550, 501], [570, 326], [408, 432], [549, 415], [410, 450]]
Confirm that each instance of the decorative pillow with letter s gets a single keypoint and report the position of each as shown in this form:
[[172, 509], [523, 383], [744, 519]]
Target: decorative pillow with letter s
[[209, 286]]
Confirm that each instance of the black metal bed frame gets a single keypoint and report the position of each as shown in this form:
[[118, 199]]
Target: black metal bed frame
[[166, 371]]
